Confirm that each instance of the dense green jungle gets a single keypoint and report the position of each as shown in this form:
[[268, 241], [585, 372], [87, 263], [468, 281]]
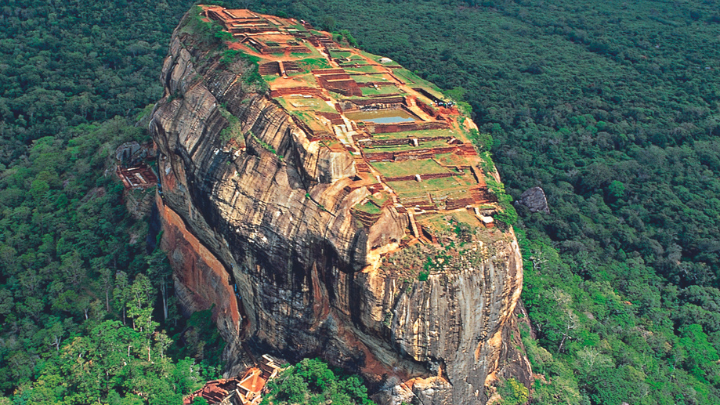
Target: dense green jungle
[[612, 107]]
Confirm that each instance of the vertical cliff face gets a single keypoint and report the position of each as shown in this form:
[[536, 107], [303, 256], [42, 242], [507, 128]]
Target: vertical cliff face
[[267, 234]]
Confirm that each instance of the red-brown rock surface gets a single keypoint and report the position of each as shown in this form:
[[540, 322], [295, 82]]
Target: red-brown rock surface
[[269, 238]]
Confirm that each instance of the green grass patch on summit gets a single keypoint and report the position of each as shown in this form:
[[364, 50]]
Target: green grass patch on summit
[[409, 168]]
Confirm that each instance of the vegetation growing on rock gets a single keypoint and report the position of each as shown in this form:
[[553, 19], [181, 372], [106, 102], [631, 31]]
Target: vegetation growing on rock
[[311, 381]]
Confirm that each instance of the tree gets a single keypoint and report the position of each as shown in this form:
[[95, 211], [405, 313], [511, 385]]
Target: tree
[[73, 269], [160, 272], [311, 381], [106, 284], [139, 306], [617, 189], [121, 293], [140, 310], [328, 23]]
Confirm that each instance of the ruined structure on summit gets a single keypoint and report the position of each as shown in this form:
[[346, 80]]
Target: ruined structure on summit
[[410, 147]]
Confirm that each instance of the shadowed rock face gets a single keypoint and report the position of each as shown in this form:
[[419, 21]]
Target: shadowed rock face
[[268, 238]]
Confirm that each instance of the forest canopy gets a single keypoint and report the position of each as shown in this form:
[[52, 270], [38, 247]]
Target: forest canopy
[[612, 107]]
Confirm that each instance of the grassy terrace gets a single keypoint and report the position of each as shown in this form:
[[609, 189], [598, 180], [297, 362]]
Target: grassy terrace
[[381, 90], [414, 80], [314, 53], [353, 62], [379, 201], [309, 64], [310, 120], [368, 208], [370, 78], [409, 168], [340, 54], [369, 55], [312, 104], [442, 186], [443, 221], [417, 134], [401, 148], [407, 76], [363, 69], [302, 79], [430, 89], [451, 159]]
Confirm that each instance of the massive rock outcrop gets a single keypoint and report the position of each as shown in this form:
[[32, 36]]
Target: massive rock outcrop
[[267, 236]]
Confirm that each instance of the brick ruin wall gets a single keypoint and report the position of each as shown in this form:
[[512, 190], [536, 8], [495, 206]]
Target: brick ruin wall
[[422, 176], [401, 141], [381, 103], [466, 149], [406, 126], [265, 49], [335, 119], [455, 203], [426, 153], [426, 108], [304, 91], [334, 76], [346, 87], [270, 68], [291, 67], [328, 71]]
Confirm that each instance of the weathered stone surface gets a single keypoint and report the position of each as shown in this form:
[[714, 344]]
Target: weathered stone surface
[[271, 242], [534, 198]]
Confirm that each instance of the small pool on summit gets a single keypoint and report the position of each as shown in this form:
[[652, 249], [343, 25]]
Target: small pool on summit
[[381, 116]]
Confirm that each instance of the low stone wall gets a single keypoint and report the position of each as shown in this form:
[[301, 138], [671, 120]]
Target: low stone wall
[[328, 71], [455, 203], [270, 68], [399, 178], [407, 126], [291, 66], [422, 176], [390, 142], [482, 194], [346, 87], [438, 175], [282, 49], [369, 142], [426, 109], [335, 119], [305, 91], [361, 166], [421, 201], [379, 157], [466, 149], [414, 154], [336, 76], [377, 102], [425, 153]]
